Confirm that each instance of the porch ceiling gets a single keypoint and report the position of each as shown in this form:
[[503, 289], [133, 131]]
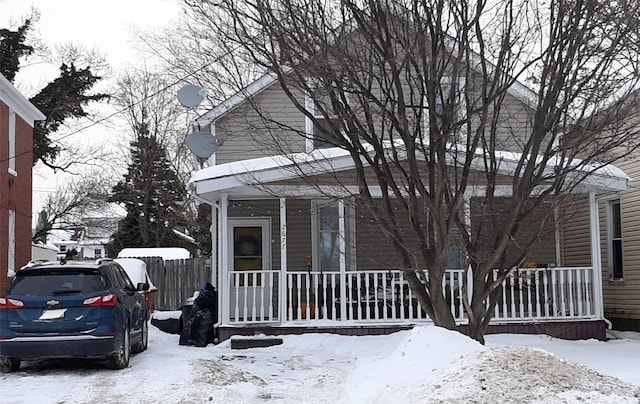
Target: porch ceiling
[[256, 178]]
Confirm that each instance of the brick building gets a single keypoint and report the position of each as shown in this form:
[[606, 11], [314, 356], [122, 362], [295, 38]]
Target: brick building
[[17, 116]]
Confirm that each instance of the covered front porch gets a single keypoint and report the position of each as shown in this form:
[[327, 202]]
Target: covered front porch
[[273, 276]]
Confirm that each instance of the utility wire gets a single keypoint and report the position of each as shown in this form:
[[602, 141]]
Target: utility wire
[[120, 111]]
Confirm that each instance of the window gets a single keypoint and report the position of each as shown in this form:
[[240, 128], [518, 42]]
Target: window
[[11, 261], [12, 142], [615, 240], [63, 248], [328, 237], [454, 104], [97, 253], [324, 126]]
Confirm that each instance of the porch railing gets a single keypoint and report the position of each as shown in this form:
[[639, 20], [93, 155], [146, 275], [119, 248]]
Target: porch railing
[[528, 294]]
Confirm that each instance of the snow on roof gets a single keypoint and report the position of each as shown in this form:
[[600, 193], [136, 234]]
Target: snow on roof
[[274, 168], [166, 253]]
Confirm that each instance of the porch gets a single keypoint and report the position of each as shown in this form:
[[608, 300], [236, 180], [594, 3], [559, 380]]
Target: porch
[[268, 220]]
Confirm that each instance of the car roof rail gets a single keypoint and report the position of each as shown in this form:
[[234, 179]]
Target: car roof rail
[[103, 260]]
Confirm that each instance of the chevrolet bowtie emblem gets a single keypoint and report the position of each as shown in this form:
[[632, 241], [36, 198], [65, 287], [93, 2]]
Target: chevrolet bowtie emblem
[[53, 302]]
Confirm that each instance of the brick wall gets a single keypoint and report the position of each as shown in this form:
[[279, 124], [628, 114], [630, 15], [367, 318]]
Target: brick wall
[[15, 193]]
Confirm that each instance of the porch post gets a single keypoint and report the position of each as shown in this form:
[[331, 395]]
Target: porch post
[[282, 283], [596, 258], [224, 259], [343, 260], [215, 258]]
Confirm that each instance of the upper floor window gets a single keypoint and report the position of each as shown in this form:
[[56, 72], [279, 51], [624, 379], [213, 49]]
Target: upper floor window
[[12, 142], [326, 127], [449, 109], [614, 241]]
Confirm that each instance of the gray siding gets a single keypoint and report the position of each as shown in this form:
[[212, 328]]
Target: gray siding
[[267, 125], [575, 232]]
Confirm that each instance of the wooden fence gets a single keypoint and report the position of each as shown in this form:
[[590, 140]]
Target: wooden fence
[[176, 280]]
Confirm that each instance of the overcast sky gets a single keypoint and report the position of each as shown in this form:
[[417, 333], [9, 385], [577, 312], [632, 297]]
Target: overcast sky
[[105, 25]]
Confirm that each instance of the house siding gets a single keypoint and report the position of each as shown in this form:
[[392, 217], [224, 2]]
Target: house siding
[[575, 232], [249, 130], [622, 297]]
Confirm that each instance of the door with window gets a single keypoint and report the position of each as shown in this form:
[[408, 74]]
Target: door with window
[[249, 261]]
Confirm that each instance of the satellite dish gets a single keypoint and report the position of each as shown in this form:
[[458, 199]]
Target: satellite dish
[[202, 144], [191, 96]]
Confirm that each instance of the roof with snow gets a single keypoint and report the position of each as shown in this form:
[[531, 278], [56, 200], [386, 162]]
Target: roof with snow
[[234, 176]]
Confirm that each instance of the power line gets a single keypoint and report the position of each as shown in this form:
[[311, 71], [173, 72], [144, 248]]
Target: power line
[[108, 117]]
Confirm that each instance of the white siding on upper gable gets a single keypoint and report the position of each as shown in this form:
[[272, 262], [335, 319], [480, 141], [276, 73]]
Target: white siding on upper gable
[[264, 126]]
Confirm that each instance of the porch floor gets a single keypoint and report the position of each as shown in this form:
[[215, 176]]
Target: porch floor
[[566, 330]]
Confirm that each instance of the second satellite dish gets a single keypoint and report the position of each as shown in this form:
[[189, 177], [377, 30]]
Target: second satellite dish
[[202, 144], [191, 96]]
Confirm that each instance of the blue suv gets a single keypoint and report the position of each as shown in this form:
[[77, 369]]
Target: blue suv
[[72, 310]]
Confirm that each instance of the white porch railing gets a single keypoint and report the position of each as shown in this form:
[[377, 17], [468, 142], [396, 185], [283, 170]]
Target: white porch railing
[[528, 295]]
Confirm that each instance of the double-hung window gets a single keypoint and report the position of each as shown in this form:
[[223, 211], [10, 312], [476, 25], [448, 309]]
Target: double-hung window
[[614, 233]]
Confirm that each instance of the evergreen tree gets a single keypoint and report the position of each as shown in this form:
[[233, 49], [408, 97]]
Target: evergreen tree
[[202, 229], [12, 48], [65, 97], [153, 196]]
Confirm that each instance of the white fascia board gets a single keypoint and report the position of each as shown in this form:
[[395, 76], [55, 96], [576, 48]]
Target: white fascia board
[[19, 103], [608, 177], [241, 174]]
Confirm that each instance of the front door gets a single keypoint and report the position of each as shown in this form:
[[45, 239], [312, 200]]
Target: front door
[[250, 260]]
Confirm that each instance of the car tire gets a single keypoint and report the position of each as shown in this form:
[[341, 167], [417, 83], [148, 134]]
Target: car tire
[[120, 359], [8, 365], [141, 345]]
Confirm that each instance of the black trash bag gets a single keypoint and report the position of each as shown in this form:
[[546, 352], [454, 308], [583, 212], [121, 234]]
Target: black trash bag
[[198, 329]]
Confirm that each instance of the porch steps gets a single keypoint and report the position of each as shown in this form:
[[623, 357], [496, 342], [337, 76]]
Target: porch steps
[[257, 341]]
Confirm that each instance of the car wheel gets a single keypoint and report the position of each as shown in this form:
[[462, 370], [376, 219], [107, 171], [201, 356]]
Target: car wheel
[[141, 345], [8, 365], [120, 359]]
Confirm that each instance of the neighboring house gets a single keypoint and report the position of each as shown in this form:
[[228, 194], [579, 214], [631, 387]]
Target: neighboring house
[[293, 257], [17, 117], [89, 239], [89, 242], [620, 243]]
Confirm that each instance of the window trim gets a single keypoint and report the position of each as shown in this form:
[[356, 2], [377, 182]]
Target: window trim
[[309, 124], [11, 249], [350, 233], [460, 110], [614, 273], [12, 142]]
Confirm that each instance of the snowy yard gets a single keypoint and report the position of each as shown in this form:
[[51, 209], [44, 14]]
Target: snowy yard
[[424, 365]]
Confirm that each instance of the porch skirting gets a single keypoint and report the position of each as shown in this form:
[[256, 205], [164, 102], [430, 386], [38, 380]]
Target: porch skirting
[[574, 330]]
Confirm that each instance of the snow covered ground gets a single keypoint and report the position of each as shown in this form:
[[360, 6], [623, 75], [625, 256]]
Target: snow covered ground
[[424, 365]]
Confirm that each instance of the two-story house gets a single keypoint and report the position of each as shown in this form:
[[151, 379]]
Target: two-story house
[[298, 250], [17, 116]]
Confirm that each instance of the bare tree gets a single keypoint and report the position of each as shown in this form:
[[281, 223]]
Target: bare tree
[[68, 207], [420, 93]]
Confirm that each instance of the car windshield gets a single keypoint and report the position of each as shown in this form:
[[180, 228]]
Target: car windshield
[[51, 282]]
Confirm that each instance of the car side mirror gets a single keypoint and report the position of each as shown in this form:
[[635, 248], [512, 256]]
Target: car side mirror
[[142, 286]]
